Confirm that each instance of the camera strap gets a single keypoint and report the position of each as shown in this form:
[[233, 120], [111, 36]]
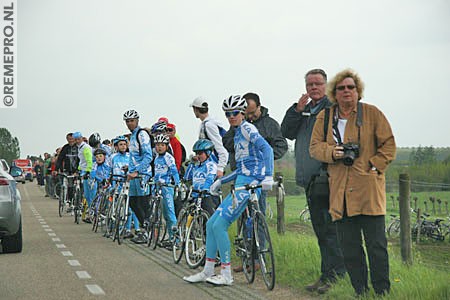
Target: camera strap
[[336, 132]]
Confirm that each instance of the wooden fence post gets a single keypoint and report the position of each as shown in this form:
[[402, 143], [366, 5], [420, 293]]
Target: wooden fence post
[[433, 200], [446, 206], [419, 225], [393, 201], [405, 220], [280, 204], [439, 201], [415, 203], [426, 206]]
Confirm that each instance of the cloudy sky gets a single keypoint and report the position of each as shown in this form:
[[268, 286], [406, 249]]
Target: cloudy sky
[[81, 64]]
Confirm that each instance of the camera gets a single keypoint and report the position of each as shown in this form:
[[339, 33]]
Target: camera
[[351, 152]]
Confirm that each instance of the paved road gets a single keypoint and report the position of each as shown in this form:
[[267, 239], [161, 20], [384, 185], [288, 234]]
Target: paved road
[[62, 260]]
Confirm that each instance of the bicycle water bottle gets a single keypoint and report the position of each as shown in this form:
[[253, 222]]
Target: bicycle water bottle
[[248, 227]]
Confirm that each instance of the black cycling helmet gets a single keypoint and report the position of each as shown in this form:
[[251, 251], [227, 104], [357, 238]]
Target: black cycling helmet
[[99, 151], [94, 139]]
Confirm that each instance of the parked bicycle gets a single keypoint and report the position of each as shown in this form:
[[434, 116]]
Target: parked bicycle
[[253, 243], [65, 201]]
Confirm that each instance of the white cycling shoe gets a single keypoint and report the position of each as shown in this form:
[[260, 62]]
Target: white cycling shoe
[[199, 277], [220, 280]]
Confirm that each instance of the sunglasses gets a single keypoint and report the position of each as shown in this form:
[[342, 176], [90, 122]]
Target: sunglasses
[[233, 113], [170, 129], [342, 87]]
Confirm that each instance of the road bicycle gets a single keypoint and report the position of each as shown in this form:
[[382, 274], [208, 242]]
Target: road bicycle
[[65, 201], [195, 238], [111, 207], [156, 226], [253, 243], [78, 205], [99, 205]]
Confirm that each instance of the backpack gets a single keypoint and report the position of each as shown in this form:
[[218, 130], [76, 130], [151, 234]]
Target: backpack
[[222, 131]]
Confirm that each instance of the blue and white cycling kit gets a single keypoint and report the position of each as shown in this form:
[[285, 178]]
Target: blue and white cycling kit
[[254, 162], [166, 172], [140, 159], [202, 175], [98, 174]]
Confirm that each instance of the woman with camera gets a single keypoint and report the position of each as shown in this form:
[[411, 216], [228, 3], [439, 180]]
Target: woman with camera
[[358, 148]]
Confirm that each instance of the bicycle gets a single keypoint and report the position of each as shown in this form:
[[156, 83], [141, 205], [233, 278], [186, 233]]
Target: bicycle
[[65, 201], [78, 199], [156, 226], [122, 213], [180, 234], [195, 239], [393, 228], [253, 241], [430, 229], [101, 200], [305, 215], [111, 210]]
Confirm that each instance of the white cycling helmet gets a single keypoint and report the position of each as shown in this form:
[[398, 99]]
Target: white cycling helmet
[[162, 138], [130, 114], [236, 102]]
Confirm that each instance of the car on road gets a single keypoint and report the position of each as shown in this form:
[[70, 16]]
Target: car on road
[[10, 214], [4, 165], [17, 174], [27, 166]]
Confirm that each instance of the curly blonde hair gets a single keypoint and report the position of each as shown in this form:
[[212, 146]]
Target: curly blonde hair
[[347, 73]]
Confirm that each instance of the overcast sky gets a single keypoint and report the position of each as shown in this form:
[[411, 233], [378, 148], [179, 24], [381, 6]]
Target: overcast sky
[[81, 64]]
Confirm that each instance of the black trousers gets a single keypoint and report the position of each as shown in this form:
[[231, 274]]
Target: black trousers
[[373, 229], [332, 260], [141, 207]]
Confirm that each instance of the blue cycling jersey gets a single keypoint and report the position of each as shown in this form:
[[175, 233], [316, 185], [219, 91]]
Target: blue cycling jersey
[[101, 172], [166, 169], [140, 158], [254, 156], [202, 174]]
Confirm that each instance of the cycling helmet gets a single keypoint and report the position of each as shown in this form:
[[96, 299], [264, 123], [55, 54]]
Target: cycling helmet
[[163, 120], [162, 138], [236, 102], [77, 135], [158, 127], [99, 151], [94, 139], [203, 145], [121, 138], [130, 114]]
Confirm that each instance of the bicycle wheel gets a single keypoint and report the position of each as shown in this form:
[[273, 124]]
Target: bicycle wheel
[[62, 202], [394, 229], [435, 233], [264, 250], [121, 218], [245, 249], [110, 220], [155, 223], [178, 245], [77, 206], [195, 249], [100, 218], [305, 216]]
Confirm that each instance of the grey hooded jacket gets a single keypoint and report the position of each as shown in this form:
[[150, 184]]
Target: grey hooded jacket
[[299, 126], [268, 128]]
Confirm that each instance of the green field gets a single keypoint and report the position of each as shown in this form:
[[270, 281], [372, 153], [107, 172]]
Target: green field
[[298, 259]]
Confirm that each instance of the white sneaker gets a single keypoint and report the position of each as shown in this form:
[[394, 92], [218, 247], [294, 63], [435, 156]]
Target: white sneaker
[[199, 277], [220, 280]]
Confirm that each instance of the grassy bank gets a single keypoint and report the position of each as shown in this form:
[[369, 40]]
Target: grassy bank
[[298, 261]]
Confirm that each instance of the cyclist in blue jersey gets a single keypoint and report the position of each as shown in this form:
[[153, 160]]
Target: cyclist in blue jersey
[[95, 141], [254, 165], [139, 164], [203, 172], [166, 172]]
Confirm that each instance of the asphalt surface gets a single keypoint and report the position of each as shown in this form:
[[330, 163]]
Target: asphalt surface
[[63, 260]]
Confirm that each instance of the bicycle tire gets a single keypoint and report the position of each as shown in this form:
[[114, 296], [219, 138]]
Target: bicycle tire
[[121, 218], [153, 233], [394, 229], [305, 216], [100, 216], [62, 202], [264, 250], [110, 220], [246, 250], [76, 208], [179, 243], [195, 248]]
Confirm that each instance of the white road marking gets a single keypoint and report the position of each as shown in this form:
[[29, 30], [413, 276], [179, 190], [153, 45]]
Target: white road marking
[[95, 289], [56, 239], [66, 253], [51, 234], [60, 246], [83, 275], [48, 229], [74, 262], [43, 223], [45, 226]]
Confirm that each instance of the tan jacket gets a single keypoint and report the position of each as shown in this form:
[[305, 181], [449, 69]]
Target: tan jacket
[[363, 189]]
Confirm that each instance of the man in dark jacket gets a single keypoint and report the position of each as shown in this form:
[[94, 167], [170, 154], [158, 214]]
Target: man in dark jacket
[[68, 160], [298, 124], [268, 128]]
